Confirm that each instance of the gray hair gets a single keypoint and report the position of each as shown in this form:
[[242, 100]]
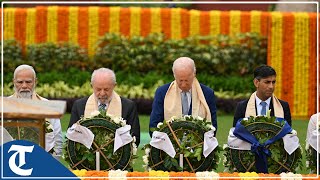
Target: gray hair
[[183, 62], [24, 67], [104, 71]]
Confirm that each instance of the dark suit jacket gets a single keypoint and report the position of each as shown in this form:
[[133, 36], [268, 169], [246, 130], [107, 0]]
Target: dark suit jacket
[[241, 110], [157, 114], [129, 113]]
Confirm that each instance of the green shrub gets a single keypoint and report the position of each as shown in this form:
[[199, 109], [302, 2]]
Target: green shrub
[[49, 56], [223, 62], [218, 55], [12, 55]]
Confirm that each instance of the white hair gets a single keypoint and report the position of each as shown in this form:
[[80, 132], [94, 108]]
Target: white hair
[[104, 71], [183, 63], [24, 67]]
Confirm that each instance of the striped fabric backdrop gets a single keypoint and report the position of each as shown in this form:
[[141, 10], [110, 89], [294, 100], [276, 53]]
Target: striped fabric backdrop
[[291, 36]]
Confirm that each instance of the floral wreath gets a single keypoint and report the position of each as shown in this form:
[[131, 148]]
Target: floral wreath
[[187, 136], [103, 126], [311, 156], [263, 128]]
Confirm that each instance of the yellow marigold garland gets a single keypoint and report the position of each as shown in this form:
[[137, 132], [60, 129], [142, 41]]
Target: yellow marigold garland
[[52, 24], [276, 48], [235, 22], [155, 20], [31, 26], [194, 22], [214, 23], [135, 23], [114, 20], [301, 65], [255, 21], [162, 175], [9, 17], [73, 24], [176, 23], [93, 30]]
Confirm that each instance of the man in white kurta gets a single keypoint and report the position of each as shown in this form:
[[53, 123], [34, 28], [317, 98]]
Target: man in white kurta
[[24, 80]]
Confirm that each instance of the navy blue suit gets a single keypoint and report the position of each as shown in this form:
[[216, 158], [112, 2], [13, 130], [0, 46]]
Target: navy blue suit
[[157, 114]]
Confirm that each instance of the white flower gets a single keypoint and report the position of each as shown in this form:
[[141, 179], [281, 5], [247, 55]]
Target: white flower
[[225, 146], [145, 159], [294, 132], [224, 160], [172, 119], [134, 148], [95, 113], [123, 122], [245, 119], [200, 118], [211, 127], [186, 116], [147, 150], [159, 125], [116, 120]]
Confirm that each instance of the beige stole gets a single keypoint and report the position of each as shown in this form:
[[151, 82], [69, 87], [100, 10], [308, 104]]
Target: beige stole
[[114, 107], [35, 96], [172, 102], [251, 106]]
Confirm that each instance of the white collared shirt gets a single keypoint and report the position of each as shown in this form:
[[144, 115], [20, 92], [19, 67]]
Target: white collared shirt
[[259, 106], [188, 95]]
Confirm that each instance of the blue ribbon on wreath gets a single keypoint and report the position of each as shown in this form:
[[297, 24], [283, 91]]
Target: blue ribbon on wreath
[[260, 150]]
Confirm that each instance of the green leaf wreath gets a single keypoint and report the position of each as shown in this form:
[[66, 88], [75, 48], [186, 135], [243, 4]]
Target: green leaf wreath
[[263, 128], [103, 126], [190, 135]]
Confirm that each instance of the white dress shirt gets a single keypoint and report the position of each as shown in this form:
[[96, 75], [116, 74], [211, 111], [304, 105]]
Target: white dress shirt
[[259, 106]]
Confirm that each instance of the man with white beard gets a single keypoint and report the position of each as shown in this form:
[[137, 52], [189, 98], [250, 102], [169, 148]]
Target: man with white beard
[[24, 80]]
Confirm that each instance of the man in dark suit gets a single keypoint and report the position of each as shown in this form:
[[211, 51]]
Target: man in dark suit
[[263, 99], [103, 81], [184, 96]]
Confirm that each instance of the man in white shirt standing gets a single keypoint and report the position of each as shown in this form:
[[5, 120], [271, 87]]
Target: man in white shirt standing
[[24, 81]]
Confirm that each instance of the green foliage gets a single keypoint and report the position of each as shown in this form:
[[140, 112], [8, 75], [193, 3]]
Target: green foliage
[[12, 54], [224, 63], [46, 56], [214, 55]]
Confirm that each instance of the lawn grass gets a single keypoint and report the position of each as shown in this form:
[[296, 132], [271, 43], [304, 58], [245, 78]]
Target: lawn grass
[[224, 125]]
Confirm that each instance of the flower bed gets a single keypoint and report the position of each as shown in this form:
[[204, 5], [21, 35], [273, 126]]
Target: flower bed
[[187, 175]]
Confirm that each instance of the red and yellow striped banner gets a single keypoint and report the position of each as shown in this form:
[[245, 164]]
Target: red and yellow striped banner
[[291, 36], [84, 25], [292, 52]]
